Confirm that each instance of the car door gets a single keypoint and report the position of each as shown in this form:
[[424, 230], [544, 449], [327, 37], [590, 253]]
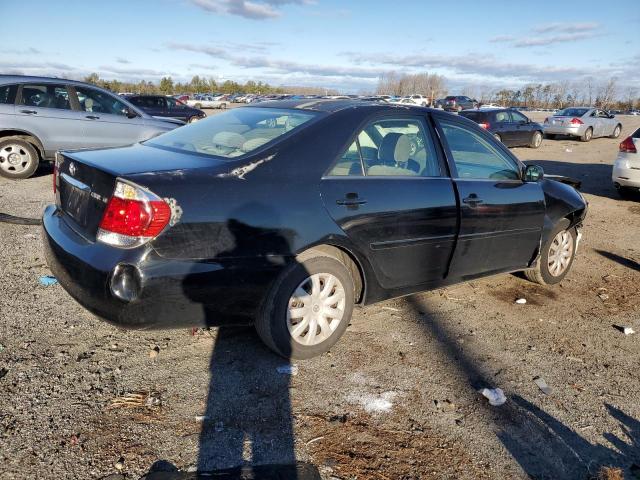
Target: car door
[[106, 123], [503, 126], [501, 216], [176, 109], [390, 195], [46, 111], [597, 123], [523, 128]]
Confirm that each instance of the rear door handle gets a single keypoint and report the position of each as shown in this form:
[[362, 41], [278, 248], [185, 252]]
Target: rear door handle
[[30, 112], [351, 199], [472, 200], [93, 117]]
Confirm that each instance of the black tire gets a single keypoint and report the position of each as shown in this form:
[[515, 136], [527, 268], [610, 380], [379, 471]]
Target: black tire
[[550, 136], [271, 323], [616, 131], [627, 193], [26, 150], [223, 106], [198, 106], [541, 273], [536, 140], [587, 136]]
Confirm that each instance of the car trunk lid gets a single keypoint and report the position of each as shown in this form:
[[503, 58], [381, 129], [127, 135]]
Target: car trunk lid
[[86, 179]]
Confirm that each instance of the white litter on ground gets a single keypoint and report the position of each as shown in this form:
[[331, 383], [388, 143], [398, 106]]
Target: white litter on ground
[[288, 369], [371, 403], [495, 396], [521, 301]]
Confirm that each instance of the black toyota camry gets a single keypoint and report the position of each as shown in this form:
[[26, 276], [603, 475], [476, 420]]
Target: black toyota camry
[[287, 214]]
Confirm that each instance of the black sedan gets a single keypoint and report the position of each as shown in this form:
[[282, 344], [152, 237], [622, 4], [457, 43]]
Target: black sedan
[[508, 126], [287, 214], [161, 106]]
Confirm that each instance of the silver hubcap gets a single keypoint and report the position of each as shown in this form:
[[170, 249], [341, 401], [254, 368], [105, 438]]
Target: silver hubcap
[[14, 158], [316, 308], [560, 253], [537, 140], [588, 134]]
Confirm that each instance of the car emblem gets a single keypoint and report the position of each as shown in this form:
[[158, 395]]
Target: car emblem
[[72, 169]]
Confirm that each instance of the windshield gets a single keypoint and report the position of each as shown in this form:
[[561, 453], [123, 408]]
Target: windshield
[[233, 133], [572, 112]]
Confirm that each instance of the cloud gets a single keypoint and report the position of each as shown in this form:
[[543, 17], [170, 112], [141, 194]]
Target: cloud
[[23, 51], [122, 60], [549, 40], [502, 38], [255, 10], [566, 27]]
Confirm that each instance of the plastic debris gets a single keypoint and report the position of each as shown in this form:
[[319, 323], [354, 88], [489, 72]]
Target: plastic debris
[[287, 369], [625, 330], [1, 347], [495, 396], [521, 301], [542, 385], [47, 280], [202, 418], [3, 372], [119, 464], [568, 150], [153, 353], [603, 296]]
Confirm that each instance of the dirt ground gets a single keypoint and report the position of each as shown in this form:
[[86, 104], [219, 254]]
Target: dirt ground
[[397, 398]]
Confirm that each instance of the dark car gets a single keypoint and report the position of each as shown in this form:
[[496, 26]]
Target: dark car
[[287, 214], [161, 106], [508, 126], [456, 103]]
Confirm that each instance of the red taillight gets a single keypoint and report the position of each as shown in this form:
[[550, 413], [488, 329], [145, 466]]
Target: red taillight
[[484, 125], [576, 121], [628, 146], [133, 216]]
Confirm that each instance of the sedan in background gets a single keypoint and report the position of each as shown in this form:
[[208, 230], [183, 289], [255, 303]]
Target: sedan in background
[[626, 169], [582, 122], [166, 107], [507, 126], [194, 227], [207, 101], [457, 103]]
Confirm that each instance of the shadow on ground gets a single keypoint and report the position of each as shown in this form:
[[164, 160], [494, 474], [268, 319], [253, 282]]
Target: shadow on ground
[[542, 445], [595, 177], [625, 262]]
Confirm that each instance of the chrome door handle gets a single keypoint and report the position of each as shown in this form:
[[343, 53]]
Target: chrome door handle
[[93, 117], [30, 112], [472, 200]]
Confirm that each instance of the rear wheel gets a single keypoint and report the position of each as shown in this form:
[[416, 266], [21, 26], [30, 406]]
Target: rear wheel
[[557, 256], [616, 131], [588, 135], [627, 193], [194, 119], [536, 140], [308, 308], [18, 158], [223, 106]]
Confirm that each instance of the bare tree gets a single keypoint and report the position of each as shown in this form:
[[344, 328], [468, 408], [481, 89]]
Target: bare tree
[[607, 93]]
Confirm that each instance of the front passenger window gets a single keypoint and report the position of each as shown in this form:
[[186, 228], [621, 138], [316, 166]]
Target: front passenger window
[[475, 157], [96, 101]]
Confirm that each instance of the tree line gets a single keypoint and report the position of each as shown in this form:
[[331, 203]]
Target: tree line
[[198, 84]]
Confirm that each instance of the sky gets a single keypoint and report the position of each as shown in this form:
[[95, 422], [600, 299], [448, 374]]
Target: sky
[[342, 45]]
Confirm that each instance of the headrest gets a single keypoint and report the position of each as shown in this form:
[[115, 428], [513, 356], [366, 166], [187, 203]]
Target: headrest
[[396, 147]]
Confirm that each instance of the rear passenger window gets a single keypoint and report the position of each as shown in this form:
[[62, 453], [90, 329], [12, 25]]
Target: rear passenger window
[[390, 147], [475, 157], [46, 96], [8, 93], [502, 117]]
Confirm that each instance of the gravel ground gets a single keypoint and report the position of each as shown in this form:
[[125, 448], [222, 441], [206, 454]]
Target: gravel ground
[[395, 399]]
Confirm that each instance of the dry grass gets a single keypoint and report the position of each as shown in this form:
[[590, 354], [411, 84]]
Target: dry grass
[[610, 473]]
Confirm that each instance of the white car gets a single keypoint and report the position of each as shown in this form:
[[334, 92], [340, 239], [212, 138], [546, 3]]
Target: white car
[[491, 105], [626, 169], [419, 100], [207, 101]]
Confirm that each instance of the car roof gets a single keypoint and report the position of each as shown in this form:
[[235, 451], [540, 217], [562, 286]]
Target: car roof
[[331, 106], [6, 79]]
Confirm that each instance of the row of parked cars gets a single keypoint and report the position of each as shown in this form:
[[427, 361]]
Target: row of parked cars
[[39, 116]]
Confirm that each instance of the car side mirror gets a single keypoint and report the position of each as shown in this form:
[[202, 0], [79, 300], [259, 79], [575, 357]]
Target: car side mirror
[[130, 113], [533, 173], [611, 116]]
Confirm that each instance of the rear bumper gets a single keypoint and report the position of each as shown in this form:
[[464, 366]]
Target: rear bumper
[[626, 171], [575, 131], [172, 293]]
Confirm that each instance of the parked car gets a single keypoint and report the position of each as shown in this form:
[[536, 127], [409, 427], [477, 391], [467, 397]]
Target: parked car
[[161, 106], [507, 126], [40, 115], [490, 105], [194, 228], [419, 100], [626, 169], [583, 122], [459, 102], [207, 101]]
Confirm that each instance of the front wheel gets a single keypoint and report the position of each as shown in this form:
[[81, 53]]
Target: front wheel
[[223, 106], [557, 256], [587, 136], [536, 140], [308, 308], [18, 159]]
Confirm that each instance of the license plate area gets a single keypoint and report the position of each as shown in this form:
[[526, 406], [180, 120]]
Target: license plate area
[[75, 197]]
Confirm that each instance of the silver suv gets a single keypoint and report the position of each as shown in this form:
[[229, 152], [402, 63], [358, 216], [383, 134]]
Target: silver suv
[[39, 116]]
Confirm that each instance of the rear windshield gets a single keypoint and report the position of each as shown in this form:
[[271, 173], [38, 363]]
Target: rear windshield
[[471, 115], [572, 112], [636, 134], [234, 132]]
